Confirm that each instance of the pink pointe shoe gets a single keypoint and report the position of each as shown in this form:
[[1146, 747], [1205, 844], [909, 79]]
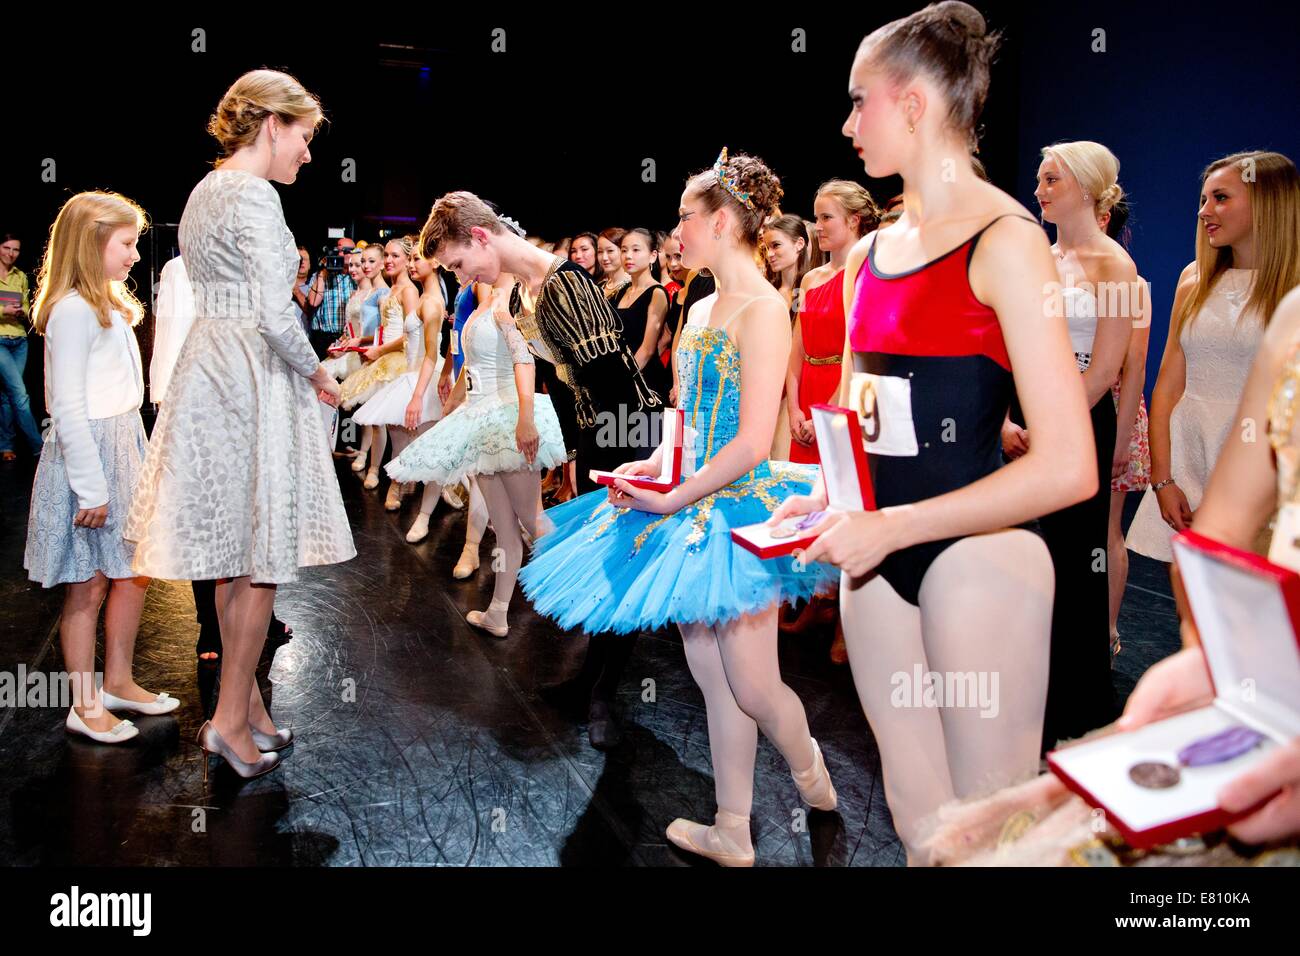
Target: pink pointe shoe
[[725, 843], [815, 783]]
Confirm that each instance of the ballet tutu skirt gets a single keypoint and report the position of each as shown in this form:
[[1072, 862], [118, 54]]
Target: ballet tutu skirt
[[342, 365], [388, 405], [362, 384], [479, 439], [59, 553], [605, 568]]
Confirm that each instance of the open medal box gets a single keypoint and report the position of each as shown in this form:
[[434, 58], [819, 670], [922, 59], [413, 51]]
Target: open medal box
[[670, 471], [844, 473], [1159, 782]]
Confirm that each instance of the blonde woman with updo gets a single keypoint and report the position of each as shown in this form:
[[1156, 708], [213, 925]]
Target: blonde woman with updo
[[1101, 300], [238, 485]]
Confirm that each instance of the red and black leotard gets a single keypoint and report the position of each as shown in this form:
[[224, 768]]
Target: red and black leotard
[[926, 325]]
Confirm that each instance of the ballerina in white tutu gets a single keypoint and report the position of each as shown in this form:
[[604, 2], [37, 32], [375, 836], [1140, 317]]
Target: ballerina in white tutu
[[495, 427], [422, 338], [385, 360], [371, 263], [476, 518], [341, 364]]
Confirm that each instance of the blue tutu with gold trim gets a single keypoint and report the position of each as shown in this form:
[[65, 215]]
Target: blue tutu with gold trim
[[605, 568]]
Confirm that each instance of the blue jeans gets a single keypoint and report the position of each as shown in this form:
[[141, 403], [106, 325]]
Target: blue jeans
[[15, 406]]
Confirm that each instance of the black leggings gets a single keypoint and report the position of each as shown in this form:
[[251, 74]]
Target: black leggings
[[1080, 695]]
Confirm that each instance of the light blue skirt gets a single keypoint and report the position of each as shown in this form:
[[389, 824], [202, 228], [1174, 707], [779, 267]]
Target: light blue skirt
[[59, 553], [615, 569], [478, 438]]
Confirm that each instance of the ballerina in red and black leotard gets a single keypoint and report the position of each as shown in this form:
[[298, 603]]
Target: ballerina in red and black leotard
[[946, 307]]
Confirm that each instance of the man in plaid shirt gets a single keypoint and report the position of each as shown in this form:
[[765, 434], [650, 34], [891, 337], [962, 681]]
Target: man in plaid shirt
[[329, 297]]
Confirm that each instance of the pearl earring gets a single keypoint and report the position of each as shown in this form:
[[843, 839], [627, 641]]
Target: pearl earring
[[911, 129]]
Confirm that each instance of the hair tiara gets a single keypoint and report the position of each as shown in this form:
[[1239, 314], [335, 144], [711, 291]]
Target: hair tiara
[[729, 183]]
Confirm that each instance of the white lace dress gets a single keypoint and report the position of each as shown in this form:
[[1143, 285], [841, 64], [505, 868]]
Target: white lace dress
[[1219, 345], [239, 479]]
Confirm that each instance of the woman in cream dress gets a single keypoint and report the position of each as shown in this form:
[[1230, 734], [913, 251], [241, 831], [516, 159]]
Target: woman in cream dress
[[238, 484], [1246, 260]]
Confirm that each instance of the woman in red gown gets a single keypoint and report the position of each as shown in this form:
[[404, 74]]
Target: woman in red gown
[[844, 212]]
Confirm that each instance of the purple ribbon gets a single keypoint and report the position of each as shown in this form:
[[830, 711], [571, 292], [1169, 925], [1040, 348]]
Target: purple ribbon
[[1220, 747], [810, 520]]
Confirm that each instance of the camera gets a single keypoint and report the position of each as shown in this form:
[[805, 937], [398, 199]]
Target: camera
[[332, 259]]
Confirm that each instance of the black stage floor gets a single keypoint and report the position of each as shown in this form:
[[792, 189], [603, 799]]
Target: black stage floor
[[443, 754]]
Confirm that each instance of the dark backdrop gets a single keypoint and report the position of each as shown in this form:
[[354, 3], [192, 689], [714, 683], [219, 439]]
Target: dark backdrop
[[557, 128]]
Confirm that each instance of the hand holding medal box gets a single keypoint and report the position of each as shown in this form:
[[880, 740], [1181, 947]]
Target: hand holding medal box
[[1160, 782], [670, 471], [846, 478]]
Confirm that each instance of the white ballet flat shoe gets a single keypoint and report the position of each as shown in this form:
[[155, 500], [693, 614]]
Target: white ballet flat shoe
[[467, 564], [372, 480], [359, 463], [164, 703], [419, 530], [453, 499], [122, 732]]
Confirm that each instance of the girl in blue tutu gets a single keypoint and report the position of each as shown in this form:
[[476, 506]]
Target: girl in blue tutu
[[628, 559]]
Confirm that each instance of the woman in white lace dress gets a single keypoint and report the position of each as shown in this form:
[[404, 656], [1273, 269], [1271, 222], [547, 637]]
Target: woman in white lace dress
[[1246, 260], [238, 484]]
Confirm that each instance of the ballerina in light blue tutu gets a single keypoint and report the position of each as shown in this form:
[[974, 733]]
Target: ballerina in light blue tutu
[[631, 559]]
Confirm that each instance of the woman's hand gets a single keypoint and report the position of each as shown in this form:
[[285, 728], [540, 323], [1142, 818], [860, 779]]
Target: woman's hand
[[633, 469], [797, 505], [626, 495], [371, 353], [327, 390], [856, 541], [1174, 507], [1119, 464], [411, 419], [1171, 686], [1181, 682], [444, 385], [801, 429], [527, 439], [1276, 773], [91, 517], [1015, 440]]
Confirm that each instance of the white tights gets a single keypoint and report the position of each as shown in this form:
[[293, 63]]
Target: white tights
[[735, 666], [986, 609], [511, 498]]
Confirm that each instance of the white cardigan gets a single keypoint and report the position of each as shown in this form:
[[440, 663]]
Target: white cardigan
[[173, 316], [91, 372]]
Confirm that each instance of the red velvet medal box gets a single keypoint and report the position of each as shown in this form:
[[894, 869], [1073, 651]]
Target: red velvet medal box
[[844, 475], [1247, 612], [670, 472]]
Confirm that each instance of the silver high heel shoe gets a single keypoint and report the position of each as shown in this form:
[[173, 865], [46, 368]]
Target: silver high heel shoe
[[211, 743], [269, 743]]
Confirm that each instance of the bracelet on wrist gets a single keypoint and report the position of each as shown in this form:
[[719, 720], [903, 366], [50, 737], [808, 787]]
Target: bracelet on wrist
[[1161, 484]]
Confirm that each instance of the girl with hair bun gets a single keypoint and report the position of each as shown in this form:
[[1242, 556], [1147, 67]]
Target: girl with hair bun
[[238, 485], [1101, 298], [945, 310], [629, 559]]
